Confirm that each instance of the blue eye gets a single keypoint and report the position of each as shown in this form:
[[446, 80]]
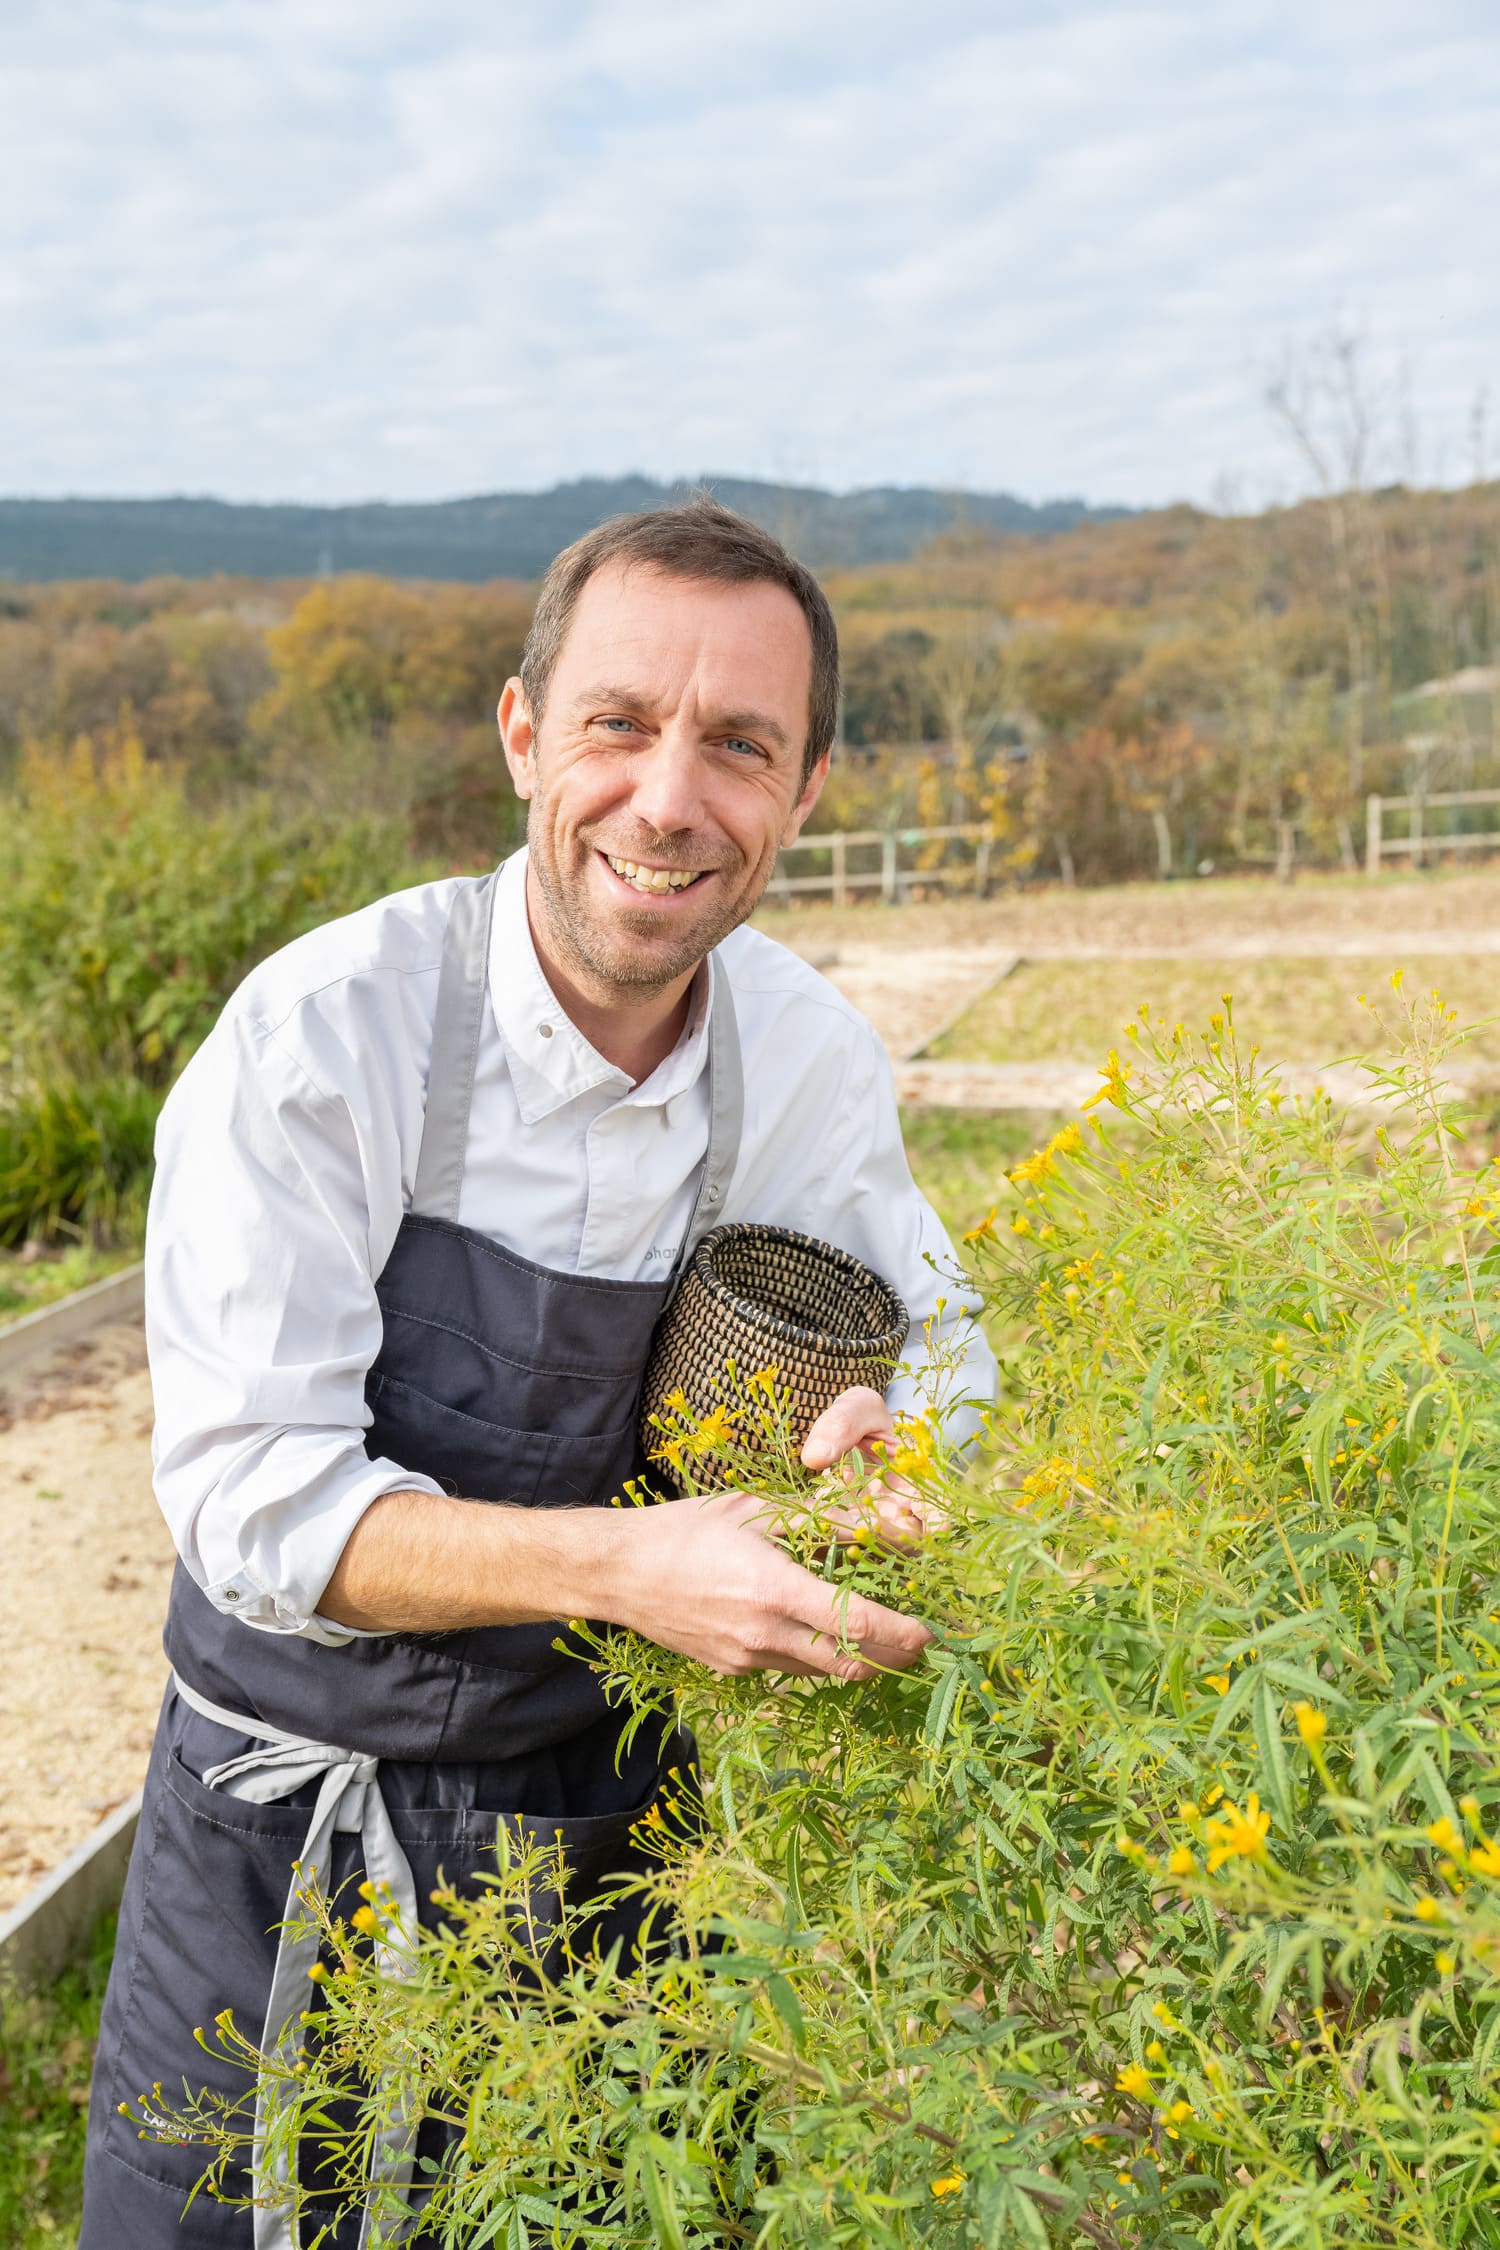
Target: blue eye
[[628, 724], [738, 742]]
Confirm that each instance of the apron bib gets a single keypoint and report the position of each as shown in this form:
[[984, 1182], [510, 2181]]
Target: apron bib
[[393, 1756]]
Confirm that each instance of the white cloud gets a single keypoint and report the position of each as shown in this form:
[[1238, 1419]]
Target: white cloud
[[320, 249]]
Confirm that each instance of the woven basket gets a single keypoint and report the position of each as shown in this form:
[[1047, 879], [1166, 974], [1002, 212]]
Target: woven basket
[[766, 1297]]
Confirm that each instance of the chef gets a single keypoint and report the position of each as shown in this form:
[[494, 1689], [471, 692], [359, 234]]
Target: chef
[[420, 1200]]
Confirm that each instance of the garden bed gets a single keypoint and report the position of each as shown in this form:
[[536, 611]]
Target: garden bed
[[1304, 1010]]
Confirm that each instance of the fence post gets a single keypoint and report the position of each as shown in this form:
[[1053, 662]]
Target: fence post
[[840, 871], [1373, 825], [888, 868], [982, 866]]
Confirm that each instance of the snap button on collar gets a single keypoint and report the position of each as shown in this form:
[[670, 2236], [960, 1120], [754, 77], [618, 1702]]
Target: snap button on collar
[[545, 1029]]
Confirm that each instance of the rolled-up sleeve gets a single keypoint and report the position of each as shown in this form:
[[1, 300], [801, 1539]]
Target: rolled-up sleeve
[[276, 1200]]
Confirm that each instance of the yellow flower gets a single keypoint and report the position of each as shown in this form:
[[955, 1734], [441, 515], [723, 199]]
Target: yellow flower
[[1179, 2113], [713, 1431], [1114, 1073], [1134, 2080], [366, 1921], [1181, 1861], [1020, 1224], [317, 1974], [951, 2183], [1156, 2052], [677, 1401], [1427, 1910], [1219, 1682], [1445, 1836], [1164, 2015], [764, 1379], [986, 1226], [1485, 1858], [1312, 1724], [1444, 1963], [1239, 1835], [672, 1452]]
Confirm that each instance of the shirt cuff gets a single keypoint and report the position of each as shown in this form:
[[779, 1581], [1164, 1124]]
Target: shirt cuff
[[259, 1597]]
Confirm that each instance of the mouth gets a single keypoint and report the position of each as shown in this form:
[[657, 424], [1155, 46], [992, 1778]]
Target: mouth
[[653, 882]]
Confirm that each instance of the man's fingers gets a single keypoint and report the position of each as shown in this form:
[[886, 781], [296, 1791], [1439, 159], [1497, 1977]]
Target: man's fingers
[[857, 1419], [882, 1636]]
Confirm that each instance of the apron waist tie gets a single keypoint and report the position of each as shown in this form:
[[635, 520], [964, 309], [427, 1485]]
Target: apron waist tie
[[349, 1800]]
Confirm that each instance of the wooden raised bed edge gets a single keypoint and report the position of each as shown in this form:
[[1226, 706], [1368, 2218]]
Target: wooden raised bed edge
[[49, 1928], [119, 1296]]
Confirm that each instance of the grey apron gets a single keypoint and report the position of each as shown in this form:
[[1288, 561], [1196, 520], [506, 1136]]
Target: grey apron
[[391, 1757]]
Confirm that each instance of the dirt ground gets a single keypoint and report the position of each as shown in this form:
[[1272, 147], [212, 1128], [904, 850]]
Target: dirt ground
[[81, 1598], [1440, 911]]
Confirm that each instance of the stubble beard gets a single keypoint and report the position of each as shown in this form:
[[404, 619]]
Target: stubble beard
[[661, 959]]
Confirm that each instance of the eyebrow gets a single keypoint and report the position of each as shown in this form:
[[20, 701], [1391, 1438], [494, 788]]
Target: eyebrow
[[722, 722]]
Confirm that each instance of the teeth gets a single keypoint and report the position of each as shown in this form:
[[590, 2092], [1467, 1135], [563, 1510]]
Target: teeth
[[654, 878]]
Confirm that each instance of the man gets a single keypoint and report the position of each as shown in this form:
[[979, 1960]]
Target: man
[[420, 1200]]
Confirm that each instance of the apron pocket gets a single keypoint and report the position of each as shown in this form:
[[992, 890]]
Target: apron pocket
[[201, 1938], [492, 1460]]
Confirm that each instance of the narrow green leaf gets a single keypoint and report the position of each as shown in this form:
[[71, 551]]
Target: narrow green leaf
[[1275, 1773]]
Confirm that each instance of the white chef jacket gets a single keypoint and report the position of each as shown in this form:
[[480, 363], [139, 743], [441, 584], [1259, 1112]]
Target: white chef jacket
[[286, 1156]]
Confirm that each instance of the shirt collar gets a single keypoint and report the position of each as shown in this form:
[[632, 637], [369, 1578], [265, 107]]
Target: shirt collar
[[550, 1060]]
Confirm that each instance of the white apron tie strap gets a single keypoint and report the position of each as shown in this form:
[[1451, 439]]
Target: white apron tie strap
[[349, 1800]]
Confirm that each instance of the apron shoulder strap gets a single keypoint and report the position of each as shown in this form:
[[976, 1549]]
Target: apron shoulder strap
[[726, 1113], [455, 1050]]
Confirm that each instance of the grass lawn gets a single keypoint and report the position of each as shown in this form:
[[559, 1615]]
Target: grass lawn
[[1299, 1010], [46, 2048], [957, 1157]]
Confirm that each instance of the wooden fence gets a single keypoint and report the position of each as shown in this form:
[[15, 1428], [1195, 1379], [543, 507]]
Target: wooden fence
[[862, 860], [1419, 838]]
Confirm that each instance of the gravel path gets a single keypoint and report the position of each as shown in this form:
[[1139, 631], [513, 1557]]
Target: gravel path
[[81, 1598]]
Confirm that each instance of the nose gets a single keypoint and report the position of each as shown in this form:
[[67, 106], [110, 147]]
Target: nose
[[666, 792]]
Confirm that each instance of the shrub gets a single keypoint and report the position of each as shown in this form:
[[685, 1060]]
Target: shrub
[[1162, 1907], [127, 917]]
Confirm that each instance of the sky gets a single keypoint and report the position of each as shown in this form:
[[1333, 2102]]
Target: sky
[[363, 249]]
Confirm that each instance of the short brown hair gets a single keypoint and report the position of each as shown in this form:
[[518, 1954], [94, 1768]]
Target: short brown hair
[[701, 539]]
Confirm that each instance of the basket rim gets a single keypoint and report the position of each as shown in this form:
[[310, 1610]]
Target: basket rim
[[886, 1344]]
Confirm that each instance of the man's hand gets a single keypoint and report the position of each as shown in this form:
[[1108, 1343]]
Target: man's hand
[[859, 1422], [706, 1577]]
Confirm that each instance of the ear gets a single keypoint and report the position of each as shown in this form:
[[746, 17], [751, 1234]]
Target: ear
[[518, 737], [812, 790]]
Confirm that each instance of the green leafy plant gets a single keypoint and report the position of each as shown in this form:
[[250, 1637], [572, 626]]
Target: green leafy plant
[[1161, 1906], [127, 917], [46, 2049]]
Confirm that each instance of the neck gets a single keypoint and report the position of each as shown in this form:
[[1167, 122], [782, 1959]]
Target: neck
[[635, 1030]]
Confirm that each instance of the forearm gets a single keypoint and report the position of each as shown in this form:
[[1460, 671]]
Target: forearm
[[419, 1562]]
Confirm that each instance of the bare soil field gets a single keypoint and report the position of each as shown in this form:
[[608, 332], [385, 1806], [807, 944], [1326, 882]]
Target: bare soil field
[[81, 1599], [1441, 910]]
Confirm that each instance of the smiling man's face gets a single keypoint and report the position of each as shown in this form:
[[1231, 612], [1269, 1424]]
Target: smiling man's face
[[666, 772]]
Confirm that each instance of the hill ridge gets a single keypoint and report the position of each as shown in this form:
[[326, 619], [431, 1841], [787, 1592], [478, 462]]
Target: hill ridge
[[481, 536]]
